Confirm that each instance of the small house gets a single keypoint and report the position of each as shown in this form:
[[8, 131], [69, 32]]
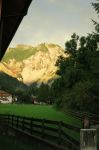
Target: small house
[[5, 97]]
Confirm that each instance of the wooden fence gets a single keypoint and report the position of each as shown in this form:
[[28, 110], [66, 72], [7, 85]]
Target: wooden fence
[[94, 119], [53, 133]]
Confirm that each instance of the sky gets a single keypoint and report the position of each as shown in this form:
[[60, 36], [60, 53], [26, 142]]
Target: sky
[[54, 21]]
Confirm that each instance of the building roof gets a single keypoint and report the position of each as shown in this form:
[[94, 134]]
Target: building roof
[[11, 15], [4, 93]]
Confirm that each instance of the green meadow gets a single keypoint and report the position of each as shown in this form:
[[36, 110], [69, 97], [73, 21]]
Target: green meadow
[[43, 112], [39, 111]]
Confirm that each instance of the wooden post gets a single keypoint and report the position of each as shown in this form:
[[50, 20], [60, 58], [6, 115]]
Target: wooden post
[[8, 124], [42, 133], [86, 122], [8, 120], [88, 139], [59, 132], [31, 125], [17, 124], [12, 121], [23, 122]]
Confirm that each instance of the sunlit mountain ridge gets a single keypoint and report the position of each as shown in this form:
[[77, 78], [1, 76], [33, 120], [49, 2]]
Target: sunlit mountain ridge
[[32, 64]]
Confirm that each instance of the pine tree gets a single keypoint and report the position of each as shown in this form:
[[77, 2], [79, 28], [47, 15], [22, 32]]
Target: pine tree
[[96, 7]]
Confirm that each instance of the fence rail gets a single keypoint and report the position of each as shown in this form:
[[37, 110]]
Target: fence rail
[[94, 119], [54, 133]]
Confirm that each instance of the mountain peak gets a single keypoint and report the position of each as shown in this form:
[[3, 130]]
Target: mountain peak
[[34, 64]]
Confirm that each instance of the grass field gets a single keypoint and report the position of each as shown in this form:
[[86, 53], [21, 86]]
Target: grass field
[[43, 112], [38, 111]]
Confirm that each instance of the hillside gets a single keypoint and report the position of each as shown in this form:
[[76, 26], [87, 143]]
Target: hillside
[[11, 84], [32, 64]]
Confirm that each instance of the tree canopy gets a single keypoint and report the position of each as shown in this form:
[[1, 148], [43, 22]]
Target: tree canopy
[[78, 88]]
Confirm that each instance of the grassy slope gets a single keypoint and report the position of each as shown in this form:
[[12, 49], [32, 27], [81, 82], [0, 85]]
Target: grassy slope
[[20, 54]]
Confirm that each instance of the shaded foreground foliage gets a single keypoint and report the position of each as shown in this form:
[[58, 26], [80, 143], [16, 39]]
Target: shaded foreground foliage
[[12, 143]]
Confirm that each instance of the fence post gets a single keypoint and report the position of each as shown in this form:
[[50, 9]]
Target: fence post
[[42, 133], [31, 125], [8, 125], [88, 139], [60, 132], [17, 125], [8, 120], [12, 121], [23, 124]]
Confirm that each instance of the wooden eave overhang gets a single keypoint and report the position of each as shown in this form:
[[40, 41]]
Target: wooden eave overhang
[[11, 15]]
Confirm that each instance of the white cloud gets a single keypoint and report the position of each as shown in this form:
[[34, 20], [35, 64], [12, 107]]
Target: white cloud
[[54, 21], [53, 1]]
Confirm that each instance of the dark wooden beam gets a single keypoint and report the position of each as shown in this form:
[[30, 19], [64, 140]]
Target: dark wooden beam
[[0, 7], [11, 15]]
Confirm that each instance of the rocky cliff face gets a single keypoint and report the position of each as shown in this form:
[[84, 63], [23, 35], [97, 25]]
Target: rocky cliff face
[[33, 64]]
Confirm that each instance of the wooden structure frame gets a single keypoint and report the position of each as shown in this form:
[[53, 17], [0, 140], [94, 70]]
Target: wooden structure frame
[[11, 15]]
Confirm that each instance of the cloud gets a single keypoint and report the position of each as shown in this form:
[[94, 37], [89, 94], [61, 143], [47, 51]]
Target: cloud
[[53, 1], [54, 21]]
